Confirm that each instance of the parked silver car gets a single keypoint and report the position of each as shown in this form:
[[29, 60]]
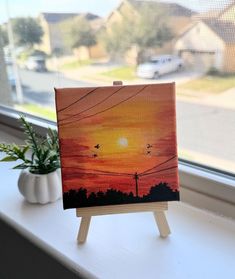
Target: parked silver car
[[159, 65]]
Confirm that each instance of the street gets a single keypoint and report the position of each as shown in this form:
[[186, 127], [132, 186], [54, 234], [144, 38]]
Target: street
[[39, 87], [204, 132], [207, 132]]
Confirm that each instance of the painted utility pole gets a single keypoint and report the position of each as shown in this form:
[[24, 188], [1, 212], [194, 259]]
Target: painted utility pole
[[136, 177]]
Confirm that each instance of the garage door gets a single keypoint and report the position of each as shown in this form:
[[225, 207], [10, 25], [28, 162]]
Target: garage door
[[198, 60]]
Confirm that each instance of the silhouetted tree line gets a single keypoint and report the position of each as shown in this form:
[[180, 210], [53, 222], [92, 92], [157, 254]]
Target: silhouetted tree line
[[79, 198]]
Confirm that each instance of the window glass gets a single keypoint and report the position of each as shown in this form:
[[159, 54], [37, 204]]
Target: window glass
[[47, 44]]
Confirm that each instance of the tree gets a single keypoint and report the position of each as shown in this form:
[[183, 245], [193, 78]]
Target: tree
[[78, 32], [118, 38], [152, 29], [27, 31], [147, 29]]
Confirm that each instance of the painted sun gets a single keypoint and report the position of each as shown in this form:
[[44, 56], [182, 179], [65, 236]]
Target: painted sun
[[123, 142]]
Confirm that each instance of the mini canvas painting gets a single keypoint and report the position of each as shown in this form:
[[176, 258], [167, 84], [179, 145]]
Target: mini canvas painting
[[117, 144]]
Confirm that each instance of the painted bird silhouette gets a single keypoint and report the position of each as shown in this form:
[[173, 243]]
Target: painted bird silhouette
[[97, 146], [149, 145]]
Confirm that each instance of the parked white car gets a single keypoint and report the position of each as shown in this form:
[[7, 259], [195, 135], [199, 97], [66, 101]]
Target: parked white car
[[159, 65], [36, 63]]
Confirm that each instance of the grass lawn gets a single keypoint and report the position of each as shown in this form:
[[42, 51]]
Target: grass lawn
[[47, 113], [74, 64], [121, 73], [212, 84]]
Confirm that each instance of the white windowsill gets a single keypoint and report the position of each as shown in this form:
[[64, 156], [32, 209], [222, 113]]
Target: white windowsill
[[202, 245]]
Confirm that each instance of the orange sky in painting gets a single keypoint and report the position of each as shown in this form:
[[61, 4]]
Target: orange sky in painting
[[123, 121]]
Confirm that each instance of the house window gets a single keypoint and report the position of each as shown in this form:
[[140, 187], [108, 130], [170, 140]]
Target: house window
[[46, 45]]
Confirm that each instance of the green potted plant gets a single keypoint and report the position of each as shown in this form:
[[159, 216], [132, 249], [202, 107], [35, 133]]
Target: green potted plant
[[40, 177]]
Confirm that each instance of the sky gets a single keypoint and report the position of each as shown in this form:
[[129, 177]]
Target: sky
[[99, 7], [108, 134]]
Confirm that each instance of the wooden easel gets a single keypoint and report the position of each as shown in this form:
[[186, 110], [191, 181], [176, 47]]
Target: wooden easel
[[157, 208]]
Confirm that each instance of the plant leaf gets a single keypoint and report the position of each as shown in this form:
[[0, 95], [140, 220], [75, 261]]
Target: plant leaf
[[21, 166], [25, 149], [9, 159]]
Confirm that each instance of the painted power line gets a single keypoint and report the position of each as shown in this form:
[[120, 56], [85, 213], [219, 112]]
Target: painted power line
[[93, 106], [104, 110]]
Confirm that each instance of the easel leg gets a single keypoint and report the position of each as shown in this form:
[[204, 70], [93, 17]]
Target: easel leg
[[162, 223], [83, 230]]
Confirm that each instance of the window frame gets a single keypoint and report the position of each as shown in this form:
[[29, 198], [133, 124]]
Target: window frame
[[194, 177]]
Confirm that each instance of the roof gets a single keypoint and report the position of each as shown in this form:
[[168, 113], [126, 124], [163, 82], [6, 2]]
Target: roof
[[230, 6], [217, 12], [58, 17], [208, 14], [224, 29], [172, 8]]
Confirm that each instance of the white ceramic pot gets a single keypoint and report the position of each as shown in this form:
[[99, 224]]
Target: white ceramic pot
[[40, 188]]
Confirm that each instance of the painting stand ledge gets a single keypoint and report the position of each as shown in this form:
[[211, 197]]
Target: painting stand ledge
[[157, 208]]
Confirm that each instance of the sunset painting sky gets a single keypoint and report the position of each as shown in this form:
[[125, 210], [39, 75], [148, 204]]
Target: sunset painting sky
[[112, 136]]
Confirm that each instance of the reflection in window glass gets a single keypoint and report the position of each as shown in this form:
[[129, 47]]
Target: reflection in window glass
[[91, 43]]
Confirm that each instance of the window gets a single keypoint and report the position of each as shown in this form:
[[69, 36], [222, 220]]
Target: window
[[84, 44]]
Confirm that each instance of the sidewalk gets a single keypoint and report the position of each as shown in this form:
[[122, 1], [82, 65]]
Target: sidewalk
[[225, 99], [93, 74]]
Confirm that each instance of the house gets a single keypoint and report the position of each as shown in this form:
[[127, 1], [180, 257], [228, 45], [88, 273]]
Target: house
[[178, 18], [52, 37], [210, 42], [52, 40]]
